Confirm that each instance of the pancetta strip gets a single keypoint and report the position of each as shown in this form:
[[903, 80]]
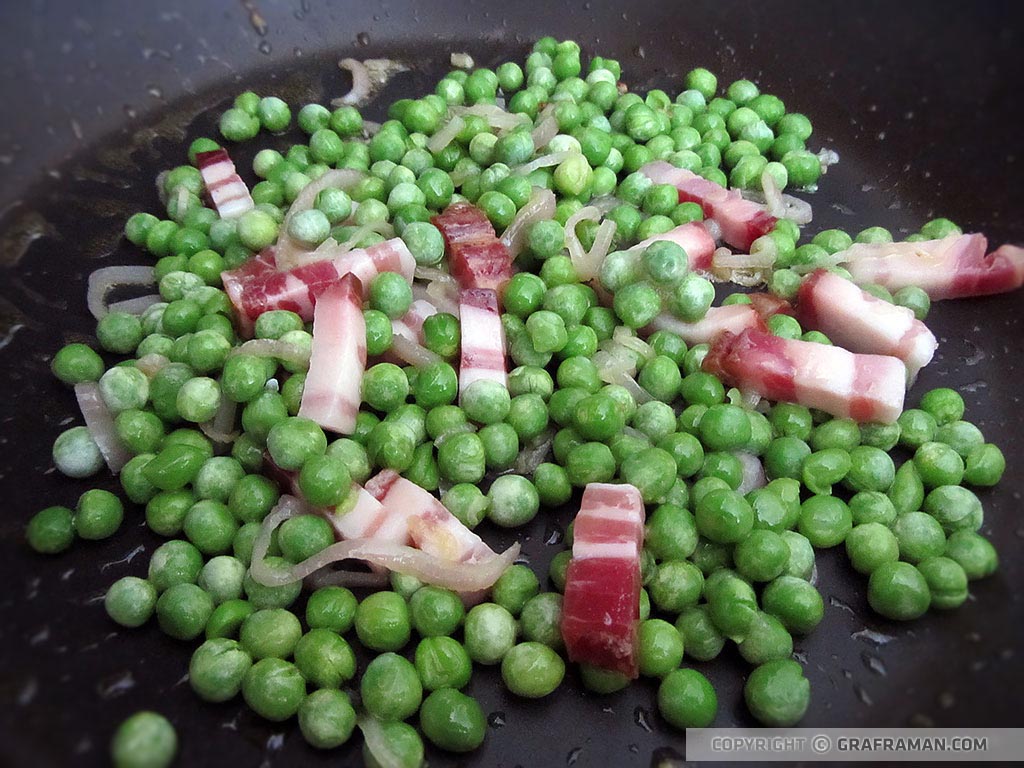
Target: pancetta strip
[[860, 322], [483, 339], [951, 268], [601, 608], [830, 378], [742, 221], [333, 388], [228, 193]]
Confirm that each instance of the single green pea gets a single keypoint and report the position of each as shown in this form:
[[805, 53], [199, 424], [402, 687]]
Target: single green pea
[[144, 740], [899, 591], [686, 699], [777, 693]]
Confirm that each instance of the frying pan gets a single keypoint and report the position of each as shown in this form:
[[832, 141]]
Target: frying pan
[[919, 99]]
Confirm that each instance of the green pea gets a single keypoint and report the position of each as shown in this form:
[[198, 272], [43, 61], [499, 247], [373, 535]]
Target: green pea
[[795, 602], [777, 693], [899, 591], [919, 536], [686, 699], [532, 670], [144, 740]]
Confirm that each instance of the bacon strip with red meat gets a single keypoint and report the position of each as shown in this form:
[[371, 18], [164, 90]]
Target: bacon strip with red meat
[[951, 268], [742, 221], [483, 339], [692, 238], [476, 257], [364, 517], [832, 379], [860, 322], [225, 187], [333, 388], [254, 291], [601, 607]]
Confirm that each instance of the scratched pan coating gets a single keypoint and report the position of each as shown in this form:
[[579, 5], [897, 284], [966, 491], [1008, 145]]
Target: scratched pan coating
[[917, 101]]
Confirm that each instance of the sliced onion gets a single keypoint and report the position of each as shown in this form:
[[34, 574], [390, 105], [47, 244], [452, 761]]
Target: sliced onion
[[544, 161], [605, 203], [798, 211], [412, 353], [599, 250], [221, 429], [446, 135], [624, 337], [724, 259], [437, 294], [539, 207], [495, 116], [547, 127], [105, 279], [772, 194], [468, 576], [151, 364], [434, 275], [461, 60], [753, 472], [136, 306], [371, 127], [100, 423], [281, 350], [628, 383], [360, 90], [535, 452], [572, 241], [287, 248], [377, 743]]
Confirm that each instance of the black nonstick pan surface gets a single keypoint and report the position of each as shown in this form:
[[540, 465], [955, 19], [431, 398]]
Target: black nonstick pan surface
[[920, 99]]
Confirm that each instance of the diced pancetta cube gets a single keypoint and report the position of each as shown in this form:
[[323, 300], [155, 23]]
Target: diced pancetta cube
[[483, 339], [333, 389], [225, 187], [476, 257], [742, 221], [601, 608], [951, 268], [830, 378], [860, 322]]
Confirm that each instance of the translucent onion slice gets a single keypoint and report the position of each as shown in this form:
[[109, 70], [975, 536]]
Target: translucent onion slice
[[714, 229], [534, 454], [135, 306], [151, 364], [547, 127], [461, 60], [281, 350], [412, 353], [572, 240], [221, 428], [287, 248], [446, 135], [437, 294], [539, 207], [105, 279], [753, 472], [100, 423], [544, 161], [360, 90]]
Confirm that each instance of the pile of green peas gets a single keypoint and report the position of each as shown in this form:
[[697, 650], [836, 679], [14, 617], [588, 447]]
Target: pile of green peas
[[718, 565]]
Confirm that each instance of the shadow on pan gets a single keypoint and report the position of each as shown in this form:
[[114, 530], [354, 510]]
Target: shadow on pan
[[917, 100]]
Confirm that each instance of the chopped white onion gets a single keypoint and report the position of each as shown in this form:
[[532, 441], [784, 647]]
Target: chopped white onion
[[626, 338], [360, 90], [798, 211], [605, 203], [599, 250], [100, 423], [540, 206], [826, 158], [495, 116], [446, 135], [412, 353], [105, 279], [772, 194], [434, 275], [461, 60], [544, 161], [441, 295]]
